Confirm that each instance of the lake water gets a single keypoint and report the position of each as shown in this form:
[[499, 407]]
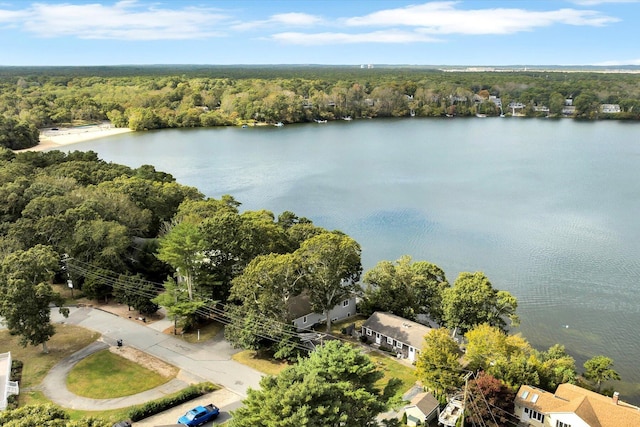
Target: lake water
[[548, 209]]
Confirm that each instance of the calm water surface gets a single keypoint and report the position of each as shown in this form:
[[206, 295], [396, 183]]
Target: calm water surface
[[548, 209]]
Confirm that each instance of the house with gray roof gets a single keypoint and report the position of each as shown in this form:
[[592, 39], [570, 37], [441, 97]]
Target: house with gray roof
[[422, 409], [405, 337], [305, 318]]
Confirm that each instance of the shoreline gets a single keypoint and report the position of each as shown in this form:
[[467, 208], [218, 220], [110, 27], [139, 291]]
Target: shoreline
[[51, 139]]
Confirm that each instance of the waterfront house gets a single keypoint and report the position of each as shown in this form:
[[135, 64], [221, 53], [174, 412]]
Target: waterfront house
[[405, 337], [573, 406], [610, 108], [305, 318]]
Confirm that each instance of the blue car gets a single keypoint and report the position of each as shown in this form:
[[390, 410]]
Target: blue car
[[199, 415]]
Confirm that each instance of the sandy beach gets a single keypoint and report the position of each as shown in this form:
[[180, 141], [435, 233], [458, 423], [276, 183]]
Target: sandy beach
[[57, 138]]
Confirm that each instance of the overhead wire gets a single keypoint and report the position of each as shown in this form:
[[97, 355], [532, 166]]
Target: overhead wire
[[131, 284]]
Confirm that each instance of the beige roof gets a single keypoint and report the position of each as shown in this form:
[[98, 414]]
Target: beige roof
[[425, 402], [595, 409], [398, 328]]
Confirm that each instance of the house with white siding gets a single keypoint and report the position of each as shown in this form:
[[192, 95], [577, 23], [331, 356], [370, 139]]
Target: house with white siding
[[7, 387], [405, 337]]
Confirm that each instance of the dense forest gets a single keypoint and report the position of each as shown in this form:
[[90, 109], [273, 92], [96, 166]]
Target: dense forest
[[202, 96]]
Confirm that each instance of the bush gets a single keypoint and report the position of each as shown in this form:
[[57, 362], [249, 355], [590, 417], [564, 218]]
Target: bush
[[364, 339], [157, 406]]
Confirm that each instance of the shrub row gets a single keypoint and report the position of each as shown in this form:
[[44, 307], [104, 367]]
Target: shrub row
[[156, 406]]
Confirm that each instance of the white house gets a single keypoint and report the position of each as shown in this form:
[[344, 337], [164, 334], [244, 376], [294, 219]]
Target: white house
[[7, 387], [402, 335], [573, 406], [610, 108]]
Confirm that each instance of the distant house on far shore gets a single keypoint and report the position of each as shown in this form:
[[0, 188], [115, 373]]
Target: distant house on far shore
[[610, 108]]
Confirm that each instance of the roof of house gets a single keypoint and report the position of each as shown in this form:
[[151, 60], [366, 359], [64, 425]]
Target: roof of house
[[300, 305], [595, 409], [398, 328], [425, 402]]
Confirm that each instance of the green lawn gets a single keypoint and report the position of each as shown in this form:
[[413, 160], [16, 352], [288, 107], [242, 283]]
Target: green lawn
[[265, 365], [67, 340], [105, 375], [394, 369]]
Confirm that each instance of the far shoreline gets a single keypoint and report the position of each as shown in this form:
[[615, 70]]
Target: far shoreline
[[57, 138]]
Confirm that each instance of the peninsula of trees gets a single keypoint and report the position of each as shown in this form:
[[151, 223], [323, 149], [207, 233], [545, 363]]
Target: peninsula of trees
[[166, 97]]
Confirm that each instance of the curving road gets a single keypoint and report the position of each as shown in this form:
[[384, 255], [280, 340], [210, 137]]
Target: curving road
[[208, 361]]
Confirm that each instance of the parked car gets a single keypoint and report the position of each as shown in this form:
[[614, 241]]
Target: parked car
[[199, 415]]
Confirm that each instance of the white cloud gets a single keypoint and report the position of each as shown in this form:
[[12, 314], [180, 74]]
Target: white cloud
[[126, 19], [292, 19], [446, 18], [388, 36]]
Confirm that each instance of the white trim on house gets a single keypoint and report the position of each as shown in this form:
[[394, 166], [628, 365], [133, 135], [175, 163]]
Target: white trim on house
[[7, 387]]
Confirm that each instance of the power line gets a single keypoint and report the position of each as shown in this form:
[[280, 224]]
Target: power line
[[131, 284]]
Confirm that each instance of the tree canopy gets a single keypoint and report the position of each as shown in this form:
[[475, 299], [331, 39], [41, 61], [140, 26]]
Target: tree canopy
[[334, 386], [26, 294], [472, 300]]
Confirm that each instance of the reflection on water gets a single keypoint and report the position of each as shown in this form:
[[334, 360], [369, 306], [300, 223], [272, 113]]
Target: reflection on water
[[547, 209]]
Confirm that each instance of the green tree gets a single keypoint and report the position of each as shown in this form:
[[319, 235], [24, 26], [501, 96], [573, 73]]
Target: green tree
[[472, 300], [438, 365], [405, 288], [333, 267], [334, 386], [45, 415], [599, 369], [183, 248], [26, 295]]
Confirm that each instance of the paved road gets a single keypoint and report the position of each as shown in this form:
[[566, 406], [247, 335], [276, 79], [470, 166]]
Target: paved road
[[208, 361]]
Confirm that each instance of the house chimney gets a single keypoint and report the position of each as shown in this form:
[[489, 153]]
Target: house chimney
[[616, 395]]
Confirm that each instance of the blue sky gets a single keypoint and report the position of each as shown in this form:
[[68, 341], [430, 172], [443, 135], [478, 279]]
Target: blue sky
[[466, 32]]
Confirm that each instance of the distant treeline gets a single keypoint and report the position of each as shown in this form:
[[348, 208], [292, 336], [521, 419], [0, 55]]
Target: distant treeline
[[153, 97]]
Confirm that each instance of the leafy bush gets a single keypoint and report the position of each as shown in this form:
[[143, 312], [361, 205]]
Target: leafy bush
[[157, 406]]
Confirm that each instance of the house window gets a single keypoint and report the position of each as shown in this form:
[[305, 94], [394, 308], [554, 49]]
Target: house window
[[389, 340], [304, 319], [561, 424], [534, 415], [398, 344], [345, 303], [368, 331]]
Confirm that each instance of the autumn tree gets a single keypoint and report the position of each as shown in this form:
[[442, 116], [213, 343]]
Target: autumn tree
[[491, 402]]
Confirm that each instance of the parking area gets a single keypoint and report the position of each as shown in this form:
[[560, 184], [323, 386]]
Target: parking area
[[224, 399]]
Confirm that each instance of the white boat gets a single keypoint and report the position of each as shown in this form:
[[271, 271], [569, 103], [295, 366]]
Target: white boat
[[481, 115], [347, 118], [320, 121], [279, 124], [454, 409]]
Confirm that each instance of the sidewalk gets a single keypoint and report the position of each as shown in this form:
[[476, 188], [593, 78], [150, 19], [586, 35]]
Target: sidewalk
[[210, 361]]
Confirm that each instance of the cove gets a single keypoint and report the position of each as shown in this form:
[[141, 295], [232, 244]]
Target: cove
[[546, 208]]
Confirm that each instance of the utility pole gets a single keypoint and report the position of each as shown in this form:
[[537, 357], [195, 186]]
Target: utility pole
[[464, 396]]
